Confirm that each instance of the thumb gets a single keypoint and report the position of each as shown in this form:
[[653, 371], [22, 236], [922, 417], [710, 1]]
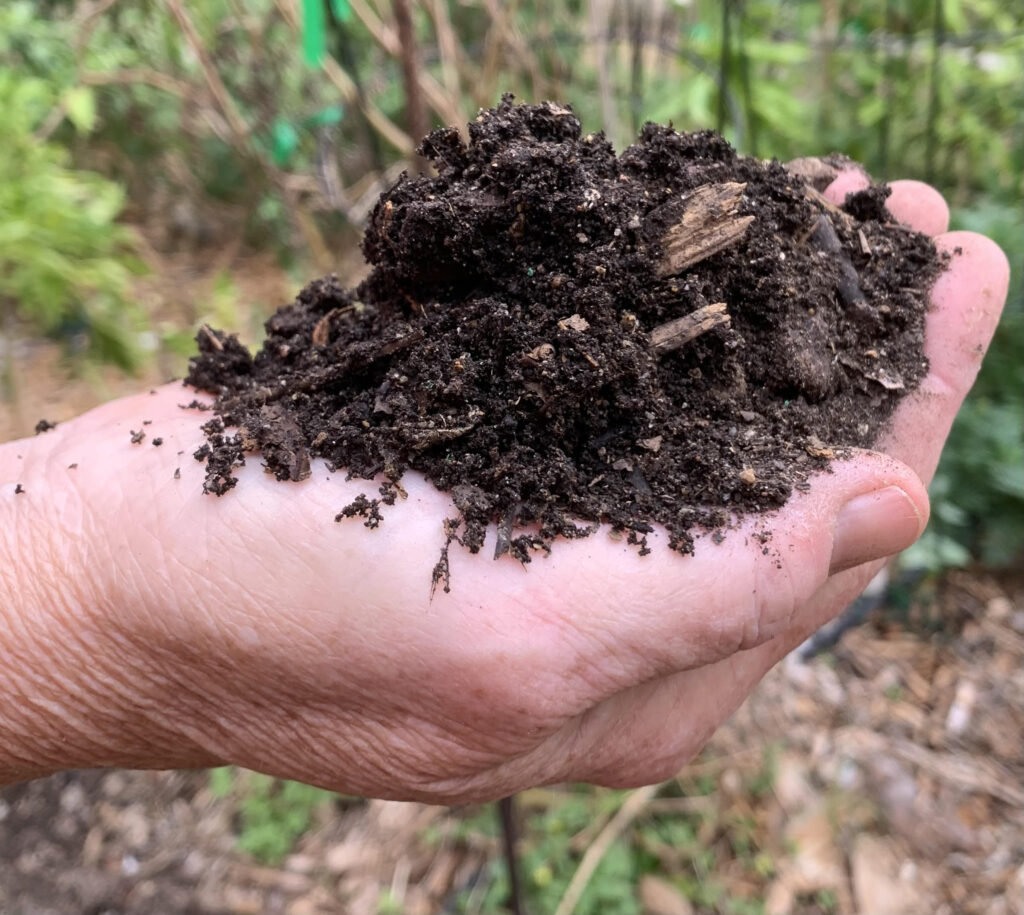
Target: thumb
[[667, 612]]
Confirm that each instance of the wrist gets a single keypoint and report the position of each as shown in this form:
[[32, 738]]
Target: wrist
[[67, 697]]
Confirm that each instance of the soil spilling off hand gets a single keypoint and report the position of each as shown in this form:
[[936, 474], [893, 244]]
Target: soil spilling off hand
[[559, 336]]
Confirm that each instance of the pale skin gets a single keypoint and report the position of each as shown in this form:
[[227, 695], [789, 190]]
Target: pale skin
[[143, 624]]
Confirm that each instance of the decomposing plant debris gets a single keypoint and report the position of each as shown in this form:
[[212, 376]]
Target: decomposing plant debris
[[559, 336]]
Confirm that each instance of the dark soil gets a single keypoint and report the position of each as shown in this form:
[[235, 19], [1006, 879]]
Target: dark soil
[[510, 342]]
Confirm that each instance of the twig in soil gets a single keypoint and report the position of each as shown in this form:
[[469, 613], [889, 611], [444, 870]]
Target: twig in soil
[[824, 238], [709, 223], [819, 198], [629, 811], [675, 334], [207, 332]]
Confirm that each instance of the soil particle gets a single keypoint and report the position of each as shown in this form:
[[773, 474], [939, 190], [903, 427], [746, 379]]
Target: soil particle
[[44, 425], [560, 336], [137, 437], [157, 442], [19, 489]]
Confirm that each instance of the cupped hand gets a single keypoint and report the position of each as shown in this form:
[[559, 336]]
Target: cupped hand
[[252, 629]]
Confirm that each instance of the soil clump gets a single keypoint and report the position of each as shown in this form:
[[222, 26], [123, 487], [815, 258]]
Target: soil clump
[[560, 336]]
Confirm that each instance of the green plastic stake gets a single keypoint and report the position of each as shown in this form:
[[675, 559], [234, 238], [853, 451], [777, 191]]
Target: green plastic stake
[[341, 9], [313, 32]]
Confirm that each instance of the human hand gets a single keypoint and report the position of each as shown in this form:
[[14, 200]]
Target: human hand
[[166, 628]]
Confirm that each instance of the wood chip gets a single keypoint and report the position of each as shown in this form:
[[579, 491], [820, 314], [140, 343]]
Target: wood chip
[[825, 239], [865, 248], [672, 335], [889, 379], [709, 223], [574, 322], [815, 447]]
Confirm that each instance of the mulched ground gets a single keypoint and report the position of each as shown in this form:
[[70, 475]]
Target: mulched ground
[[895, 785]]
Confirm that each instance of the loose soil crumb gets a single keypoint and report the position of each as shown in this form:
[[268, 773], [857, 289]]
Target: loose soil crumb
[[559, 336], [44, 425]]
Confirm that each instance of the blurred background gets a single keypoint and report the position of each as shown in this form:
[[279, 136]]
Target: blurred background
[[169, 162]]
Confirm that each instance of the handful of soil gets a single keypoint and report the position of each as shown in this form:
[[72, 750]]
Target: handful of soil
[[557, 335]]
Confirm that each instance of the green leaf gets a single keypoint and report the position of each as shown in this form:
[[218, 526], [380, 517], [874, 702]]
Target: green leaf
[[285, 140], [80, 104], [326, 117]]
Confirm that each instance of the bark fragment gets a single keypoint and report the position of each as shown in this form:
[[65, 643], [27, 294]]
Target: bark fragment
[[709, 223], [675, 334]]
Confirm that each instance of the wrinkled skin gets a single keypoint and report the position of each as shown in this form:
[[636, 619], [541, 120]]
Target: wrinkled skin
[[145, 624]]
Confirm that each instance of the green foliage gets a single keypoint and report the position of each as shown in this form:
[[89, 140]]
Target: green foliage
[[273, 813], [554, 838], [65, 263]]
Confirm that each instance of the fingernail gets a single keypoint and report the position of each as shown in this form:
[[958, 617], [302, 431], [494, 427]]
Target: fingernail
[[872, 526]]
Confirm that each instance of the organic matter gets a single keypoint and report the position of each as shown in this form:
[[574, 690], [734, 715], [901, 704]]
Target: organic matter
[[560, 337]]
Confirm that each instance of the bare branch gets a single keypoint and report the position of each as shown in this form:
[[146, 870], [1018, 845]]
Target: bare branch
[[218, 90], [446, 107], [415, 115]]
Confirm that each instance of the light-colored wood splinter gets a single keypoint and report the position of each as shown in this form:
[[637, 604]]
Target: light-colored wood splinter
[[709, 223], [672, 335]]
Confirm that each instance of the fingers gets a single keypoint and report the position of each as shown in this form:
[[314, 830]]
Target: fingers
[[967, 301], [913, 203], [847, 182], [919, 206]]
